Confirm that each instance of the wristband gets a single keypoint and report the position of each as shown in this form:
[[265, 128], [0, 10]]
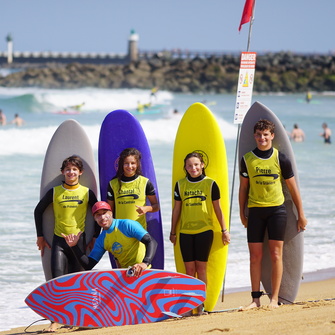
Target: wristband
[[173, 234], [223, 230]]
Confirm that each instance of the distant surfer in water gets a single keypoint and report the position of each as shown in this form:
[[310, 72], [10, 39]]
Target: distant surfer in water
[[297, 134], [326, 133], [77, 107], [70, 201], [131, 245], [196, 197], [261, 191], [308, 97], [153, 93]]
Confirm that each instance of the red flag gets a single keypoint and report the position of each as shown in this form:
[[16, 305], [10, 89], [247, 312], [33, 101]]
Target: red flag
[[247, 12]]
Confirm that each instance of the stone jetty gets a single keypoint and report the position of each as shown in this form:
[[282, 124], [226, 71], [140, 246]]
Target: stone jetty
[[275, 72]]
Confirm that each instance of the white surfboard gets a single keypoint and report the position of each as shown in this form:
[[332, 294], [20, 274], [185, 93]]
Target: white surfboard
[[294, 241], [69, 139]]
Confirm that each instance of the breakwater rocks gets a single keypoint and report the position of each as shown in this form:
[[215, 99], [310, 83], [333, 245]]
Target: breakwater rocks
[[279, 72]]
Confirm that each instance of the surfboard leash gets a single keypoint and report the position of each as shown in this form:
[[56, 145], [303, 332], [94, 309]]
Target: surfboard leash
[[319, 300], [26, 329], [229, 310]]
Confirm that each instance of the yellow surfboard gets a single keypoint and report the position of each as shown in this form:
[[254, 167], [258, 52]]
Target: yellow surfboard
[[199, 131]]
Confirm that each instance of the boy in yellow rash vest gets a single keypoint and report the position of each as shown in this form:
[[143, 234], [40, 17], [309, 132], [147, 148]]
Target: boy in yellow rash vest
[[260, 189], [196, 197], [70, 201]]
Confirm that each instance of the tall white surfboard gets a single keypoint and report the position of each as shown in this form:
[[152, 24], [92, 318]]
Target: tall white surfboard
[[69, 139]]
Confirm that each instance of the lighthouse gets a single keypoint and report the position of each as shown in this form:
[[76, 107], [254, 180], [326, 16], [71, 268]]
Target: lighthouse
[[132, 46], [9, 40]]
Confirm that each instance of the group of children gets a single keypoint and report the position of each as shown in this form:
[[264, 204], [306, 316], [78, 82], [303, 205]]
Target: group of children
[[124, 228]]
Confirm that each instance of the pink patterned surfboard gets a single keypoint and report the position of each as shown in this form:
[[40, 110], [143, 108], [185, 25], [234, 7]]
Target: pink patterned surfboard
[[111, 298]]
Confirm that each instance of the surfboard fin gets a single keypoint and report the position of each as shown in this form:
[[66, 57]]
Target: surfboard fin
[[172, 314], [168, 278], [191, 294]]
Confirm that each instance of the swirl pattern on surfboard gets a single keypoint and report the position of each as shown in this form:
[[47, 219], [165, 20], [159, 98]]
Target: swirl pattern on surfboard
[[110, 298]]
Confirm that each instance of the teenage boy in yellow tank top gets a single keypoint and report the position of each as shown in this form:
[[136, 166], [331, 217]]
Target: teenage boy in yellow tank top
[[260, 189], [70, 201]]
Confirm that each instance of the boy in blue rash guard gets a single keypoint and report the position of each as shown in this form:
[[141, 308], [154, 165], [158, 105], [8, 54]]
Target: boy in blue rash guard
[[130, 244]]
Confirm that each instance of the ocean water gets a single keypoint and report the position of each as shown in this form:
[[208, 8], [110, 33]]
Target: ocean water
[[22, 153]]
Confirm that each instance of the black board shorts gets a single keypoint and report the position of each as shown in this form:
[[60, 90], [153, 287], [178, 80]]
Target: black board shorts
[[273, 219], [196, 247]]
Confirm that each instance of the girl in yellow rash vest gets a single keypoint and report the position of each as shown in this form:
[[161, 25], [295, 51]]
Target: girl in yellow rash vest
[[128, 191], [196, 197]]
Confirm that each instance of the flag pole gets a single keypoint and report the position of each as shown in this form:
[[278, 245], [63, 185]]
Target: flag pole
[[237, 142], [250, 25]]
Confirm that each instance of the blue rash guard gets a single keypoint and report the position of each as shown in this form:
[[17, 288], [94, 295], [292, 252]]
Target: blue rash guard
[[122, 239]]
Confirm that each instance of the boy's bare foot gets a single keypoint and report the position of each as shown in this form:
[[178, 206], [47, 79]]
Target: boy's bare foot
[[273, 304], [52, 328], [187, 314], [254, 304], [201, 311]]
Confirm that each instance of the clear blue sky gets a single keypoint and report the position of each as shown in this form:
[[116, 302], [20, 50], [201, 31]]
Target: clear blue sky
[[105, 25]]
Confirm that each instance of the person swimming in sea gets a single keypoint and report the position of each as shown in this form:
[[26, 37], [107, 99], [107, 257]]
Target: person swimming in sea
[[326, 133], [297, 134]]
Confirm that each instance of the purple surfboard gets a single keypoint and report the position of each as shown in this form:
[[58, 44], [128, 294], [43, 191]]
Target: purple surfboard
[[111, 298], [121, 130]]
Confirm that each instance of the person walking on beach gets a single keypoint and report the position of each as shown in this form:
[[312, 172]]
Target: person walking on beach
[[326, 133], [68, 219], [2, 118], [297, 134], [195, 214], [261, 171], [129, 190], [131, 245]]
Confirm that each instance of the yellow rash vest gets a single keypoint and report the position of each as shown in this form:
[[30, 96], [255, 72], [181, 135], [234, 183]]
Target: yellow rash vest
[[130, 195], [70, 207], [197, 205], [265, 180]]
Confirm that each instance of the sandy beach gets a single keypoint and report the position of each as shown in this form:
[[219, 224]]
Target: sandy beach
[[312, 313]]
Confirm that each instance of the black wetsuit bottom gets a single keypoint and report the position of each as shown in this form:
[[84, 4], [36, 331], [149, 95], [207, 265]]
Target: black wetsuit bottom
[[63, 260], [196, 247]]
